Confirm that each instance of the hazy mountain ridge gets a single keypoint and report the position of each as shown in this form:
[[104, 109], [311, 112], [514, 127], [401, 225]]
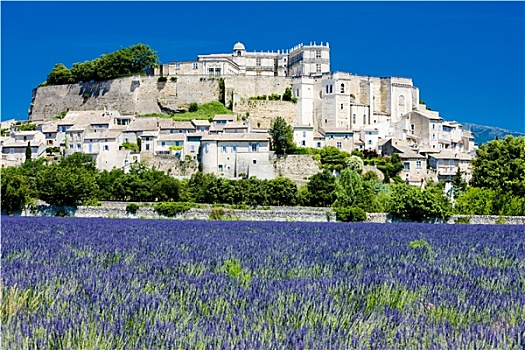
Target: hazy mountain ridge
[[485, 133]]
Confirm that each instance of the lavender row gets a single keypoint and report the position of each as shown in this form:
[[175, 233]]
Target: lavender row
[[73, 283]]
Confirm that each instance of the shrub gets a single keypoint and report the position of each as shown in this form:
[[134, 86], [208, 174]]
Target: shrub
[[162, 79], [350, 214], [193, 107], [173, 79], [217, 214], [132, 208], [462, 220], [172, 209]]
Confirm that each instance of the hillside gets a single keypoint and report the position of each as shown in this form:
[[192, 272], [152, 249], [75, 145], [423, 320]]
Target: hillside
[[484, 133]]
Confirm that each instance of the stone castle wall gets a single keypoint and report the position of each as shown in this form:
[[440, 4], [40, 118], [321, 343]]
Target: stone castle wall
[[295, 166], [144, 95], [261, 113]]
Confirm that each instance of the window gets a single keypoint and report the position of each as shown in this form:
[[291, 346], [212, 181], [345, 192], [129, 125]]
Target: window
[[234, 149], [433, 126], [192, 148], [406, 166], [217, 72], [303, 143], [147, 147], [317, 53], [418, 164], [177, 65], [221, 168], [451, 162], [163, 143], [224, 149], [317, 68], [195, 65], [341, 106], [339, 144], [401, 100], [70, 146], [440, 162], [254, 161], [79, 147], [318, 144], [353, 119], [210, 72], [342, 88], [364, 118], [412, 127], [331, 89], [369, 142], [258, 61], [106, 147], [254, 147], [304, 133], [326, 88]]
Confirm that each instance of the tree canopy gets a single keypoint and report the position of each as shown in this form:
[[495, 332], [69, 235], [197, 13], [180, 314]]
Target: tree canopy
[[121, 63], [282, 136]]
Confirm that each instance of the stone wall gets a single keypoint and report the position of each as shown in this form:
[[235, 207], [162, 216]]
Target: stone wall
[[303, 214], [144, 95], [295, 166], [262, 113], [170, 164], [146, 211]]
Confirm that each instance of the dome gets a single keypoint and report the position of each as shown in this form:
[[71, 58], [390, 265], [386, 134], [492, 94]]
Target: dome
[[239, 46]]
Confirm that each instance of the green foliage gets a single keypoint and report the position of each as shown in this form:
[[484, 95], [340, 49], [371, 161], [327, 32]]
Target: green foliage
[[233, 268], [287, 96], [205, 111], [423, 248], [27, 127], [349, 189], [28, 152], [172, 209], [462, 220], [16, 193], [193, 107], [475, 201], [350, 214], [282, 136], [69, 183], [274, 97], [413, 204], [162, 79], [356, 164], [130, 146], [132, 208], [122, 63], [283, 191], [217, 213], [500, 166], [173, 79], [55, 149], [321, 189], [459, 185], [391, 168], [501, 220], [333, 159]]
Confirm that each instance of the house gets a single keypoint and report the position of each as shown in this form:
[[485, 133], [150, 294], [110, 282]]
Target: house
[[14, 148], [447, 162], [201, 125], [414, 164], [341, 138], [234, 154], [303, 136], [223, 119], [236, 127], [170, 144], [105, 148]]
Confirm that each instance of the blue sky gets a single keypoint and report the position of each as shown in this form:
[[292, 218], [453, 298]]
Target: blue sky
[[467, 58]]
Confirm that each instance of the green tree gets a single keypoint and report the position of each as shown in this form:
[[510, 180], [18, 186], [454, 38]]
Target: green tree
[[392, 167], [356, 164], [333, 159], [15, 190], [282, 191], [500, 165], [459, 185], [287, 96], [28, 152], [282, 136], [413, 204], [72, 182], [59, 75], [349, 189], [321, 189]]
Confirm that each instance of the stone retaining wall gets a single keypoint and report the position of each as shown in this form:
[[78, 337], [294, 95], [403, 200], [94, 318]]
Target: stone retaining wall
[[304, 214]]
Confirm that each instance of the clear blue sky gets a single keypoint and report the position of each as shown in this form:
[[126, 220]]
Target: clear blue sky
[[467, 58]]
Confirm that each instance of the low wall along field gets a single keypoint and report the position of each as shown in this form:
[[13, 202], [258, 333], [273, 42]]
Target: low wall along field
[[294, 214]]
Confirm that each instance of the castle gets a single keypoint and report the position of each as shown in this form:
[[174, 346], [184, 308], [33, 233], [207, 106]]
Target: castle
[[347, 111]]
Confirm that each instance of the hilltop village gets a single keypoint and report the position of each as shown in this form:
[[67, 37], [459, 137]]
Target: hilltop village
[[107, 121]]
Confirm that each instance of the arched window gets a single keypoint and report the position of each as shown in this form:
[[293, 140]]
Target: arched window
[[352, 98], [239, 53], [401, 100], [342, 88]]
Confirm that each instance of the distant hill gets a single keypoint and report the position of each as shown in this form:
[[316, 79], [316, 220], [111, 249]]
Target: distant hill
[[484, 133]]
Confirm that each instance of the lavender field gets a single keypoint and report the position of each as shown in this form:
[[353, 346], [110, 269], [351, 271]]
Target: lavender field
[[73, 283]]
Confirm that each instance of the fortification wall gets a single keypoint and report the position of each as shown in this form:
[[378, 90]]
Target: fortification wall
[[144, 95], [261, 113]]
